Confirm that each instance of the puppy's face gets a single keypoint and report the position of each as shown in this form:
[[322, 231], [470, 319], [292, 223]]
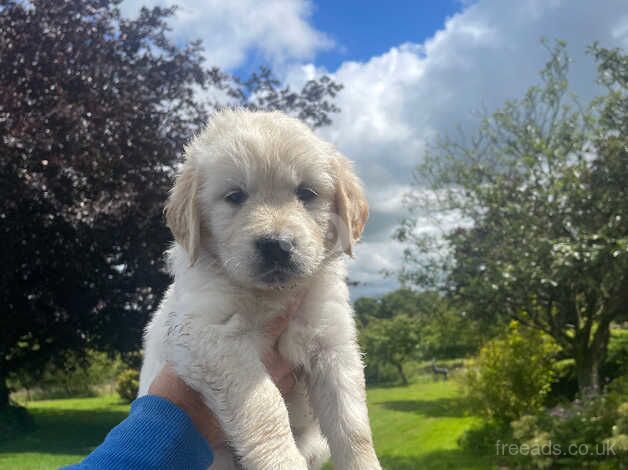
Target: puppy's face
[[266, 198]]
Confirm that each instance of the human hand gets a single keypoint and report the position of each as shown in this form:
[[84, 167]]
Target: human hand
[[169, 385]]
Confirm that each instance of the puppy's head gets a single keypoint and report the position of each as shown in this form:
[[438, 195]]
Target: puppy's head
[[265, 198]]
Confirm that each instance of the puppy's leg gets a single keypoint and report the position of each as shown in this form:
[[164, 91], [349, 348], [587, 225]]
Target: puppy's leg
[[223, 460], [337, 391], [238, 390], [305, 428], [313, 446]]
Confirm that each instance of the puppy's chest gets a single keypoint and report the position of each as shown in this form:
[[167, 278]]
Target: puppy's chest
[[220, 318], [303, 335]]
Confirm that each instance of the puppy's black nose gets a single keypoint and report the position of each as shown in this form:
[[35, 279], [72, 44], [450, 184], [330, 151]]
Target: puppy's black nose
[[274, 251]]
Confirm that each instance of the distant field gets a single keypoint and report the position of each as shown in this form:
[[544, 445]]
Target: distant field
[[415, 428]]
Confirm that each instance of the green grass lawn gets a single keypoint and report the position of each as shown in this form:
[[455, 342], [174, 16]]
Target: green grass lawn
[[67, 430], [414, 427], [417, 427]]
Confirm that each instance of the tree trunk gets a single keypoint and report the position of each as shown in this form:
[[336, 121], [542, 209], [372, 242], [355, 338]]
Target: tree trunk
[[589, 355], [587, 372], [4, 390], [399, 367]]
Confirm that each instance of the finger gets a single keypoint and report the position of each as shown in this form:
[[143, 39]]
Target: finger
[[278, 326], [276, 365]]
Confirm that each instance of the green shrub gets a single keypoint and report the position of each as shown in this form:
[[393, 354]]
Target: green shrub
[[619, 437], [128, 384], [618, 393], [565, 386], [481, 438], [71, 375], [512, 374], [376, 372], [597, 423], [616, 363]]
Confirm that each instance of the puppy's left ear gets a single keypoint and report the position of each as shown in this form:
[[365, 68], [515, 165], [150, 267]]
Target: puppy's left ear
[[182, 216], [351, 204]]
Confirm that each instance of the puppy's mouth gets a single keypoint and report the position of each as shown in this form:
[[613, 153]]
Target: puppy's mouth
[[276, 259], [278, 275]]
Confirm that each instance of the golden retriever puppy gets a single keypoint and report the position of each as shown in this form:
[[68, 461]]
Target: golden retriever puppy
[[261, 211]]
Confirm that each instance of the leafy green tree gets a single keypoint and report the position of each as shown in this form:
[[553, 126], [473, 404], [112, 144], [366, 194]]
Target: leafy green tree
[[366, 308], [401, 301], [433, 329], [448, 333], [391, 341], [542, 198], [94, 109]]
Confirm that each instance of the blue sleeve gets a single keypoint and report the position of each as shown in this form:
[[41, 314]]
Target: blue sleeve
[[156, 435]]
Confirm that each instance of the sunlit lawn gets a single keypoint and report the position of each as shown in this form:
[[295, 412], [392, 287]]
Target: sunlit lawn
[[415, 427], [66, 431]]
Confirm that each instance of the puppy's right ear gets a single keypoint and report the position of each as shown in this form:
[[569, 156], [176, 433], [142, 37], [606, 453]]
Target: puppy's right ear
[[351, 204], [181, 210]]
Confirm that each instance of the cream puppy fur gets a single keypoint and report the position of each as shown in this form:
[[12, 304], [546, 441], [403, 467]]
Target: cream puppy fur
[[261, 211]]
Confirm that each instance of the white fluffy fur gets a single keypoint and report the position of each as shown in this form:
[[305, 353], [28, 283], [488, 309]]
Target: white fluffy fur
[[211, 323]]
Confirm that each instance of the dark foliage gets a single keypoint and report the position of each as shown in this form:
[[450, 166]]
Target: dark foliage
[[94, 111]]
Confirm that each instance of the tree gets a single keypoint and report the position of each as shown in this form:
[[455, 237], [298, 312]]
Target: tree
[[365, 309], [391, 340], [95, 109], [541, 191], [406, 324], [397, 302]]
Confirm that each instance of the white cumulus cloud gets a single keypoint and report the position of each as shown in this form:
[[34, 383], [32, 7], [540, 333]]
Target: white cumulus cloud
[[277, 31], [393, 105]]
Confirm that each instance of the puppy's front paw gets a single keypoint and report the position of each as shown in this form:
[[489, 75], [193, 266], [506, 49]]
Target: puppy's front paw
[[297, 463], [292, 461], [364, 461]]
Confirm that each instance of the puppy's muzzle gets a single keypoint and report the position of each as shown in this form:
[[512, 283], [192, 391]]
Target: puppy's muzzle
[[275, 251], [276, 256]]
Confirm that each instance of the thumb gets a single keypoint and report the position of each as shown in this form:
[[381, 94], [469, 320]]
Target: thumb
[[278, 325]]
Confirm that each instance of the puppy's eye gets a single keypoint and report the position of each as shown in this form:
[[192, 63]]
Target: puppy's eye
[[236, 197], [306, 194]]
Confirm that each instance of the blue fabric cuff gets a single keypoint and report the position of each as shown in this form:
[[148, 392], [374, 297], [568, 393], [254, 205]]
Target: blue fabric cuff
[[156, 435]]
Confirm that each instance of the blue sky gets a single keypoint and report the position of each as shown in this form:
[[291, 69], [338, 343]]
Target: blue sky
[[411, 70], [364, 29]]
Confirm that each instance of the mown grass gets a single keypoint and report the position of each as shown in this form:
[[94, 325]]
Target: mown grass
[[417, 427], [66, 431], [414, 427]]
